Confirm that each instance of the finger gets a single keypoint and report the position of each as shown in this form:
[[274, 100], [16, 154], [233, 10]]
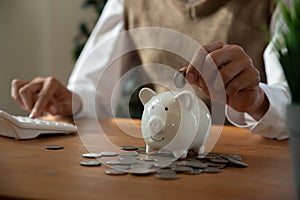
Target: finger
[[44, 97], [214, 46], [195, 66], [227, 54], [28, 93], [16, 84], [247, 80], [231, 70]]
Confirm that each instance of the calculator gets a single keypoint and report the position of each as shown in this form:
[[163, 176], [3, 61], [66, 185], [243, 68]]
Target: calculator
[[23, 127]]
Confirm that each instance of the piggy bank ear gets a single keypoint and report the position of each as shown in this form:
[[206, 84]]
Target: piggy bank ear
[[146, 94], [186, 99]]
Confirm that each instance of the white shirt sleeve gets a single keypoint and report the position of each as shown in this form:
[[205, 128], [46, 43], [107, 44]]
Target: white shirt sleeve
[[272, 124], [92, 64]]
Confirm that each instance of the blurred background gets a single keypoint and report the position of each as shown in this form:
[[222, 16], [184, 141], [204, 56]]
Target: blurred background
[[38, 38]]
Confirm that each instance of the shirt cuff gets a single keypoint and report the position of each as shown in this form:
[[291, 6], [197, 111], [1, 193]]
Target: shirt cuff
[[271, 125]]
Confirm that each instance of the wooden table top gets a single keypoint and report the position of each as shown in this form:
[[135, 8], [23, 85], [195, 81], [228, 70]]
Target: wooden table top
[[28, 171]]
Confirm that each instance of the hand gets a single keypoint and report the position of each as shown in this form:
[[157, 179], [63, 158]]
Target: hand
[[240, 78], [42, 94]]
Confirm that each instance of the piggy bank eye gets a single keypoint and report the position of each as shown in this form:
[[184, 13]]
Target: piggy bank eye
[[166, 108], [152, 107]]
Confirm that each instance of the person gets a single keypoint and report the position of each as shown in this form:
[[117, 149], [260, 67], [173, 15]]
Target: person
[[251, 103]]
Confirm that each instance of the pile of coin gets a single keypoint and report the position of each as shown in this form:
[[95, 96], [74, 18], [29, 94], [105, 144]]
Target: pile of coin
[[134, 160]]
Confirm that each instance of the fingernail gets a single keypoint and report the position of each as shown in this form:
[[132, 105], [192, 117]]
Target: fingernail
[[33, 113], [182, 69], [190, 77]]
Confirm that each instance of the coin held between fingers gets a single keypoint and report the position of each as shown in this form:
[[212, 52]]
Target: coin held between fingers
[[179, 79]]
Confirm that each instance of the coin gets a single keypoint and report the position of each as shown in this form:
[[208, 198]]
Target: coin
[[114, 172], [53, 147], [235, 157], [127, 161], [166, 171], [140, 170], [195, 164], [195, 171], [237, 163], [131, 153], [217, 165], [211, 170], [181, 163], [112, 162], [128, 148], [167, 176], [92, 155], [182, 169], [219, 160], [149, 159], [179, 79], [109, 154], [141, 150], [121, 167], [90, 163]]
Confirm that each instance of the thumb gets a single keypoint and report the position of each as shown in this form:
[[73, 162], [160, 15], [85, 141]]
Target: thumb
[[61, 108]]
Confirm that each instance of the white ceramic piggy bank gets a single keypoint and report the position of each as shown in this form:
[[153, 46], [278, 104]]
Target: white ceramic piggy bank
[[175, 122]]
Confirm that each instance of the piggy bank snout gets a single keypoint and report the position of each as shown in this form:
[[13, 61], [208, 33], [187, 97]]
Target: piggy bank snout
[[156, 124]]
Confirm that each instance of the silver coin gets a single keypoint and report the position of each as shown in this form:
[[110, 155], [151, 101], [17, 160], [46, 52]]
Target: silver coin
[[219, 160], [166, 171], [149, 159], [121, 167], [140, 170], [196, 164], [151, 165], [90, 163], [129, 158], [109, 154], [182, 169], [179, 79], [167, 176], [212, 155], [127, 161], [92, 155], [217, 165], [211, 170], [131, 153], [128, 148], [235, 157], [53, 147], [112, 162], [114, 172], [195, 171], [237, 163], [181, 163]]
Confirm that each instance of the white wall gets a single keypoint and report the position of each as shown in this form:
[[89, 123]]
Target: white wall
[[37, 39]]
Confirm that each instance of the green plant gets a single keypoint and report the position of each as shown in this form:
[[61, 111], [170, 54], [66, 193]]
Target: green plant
[[288, 45], [84, 28]]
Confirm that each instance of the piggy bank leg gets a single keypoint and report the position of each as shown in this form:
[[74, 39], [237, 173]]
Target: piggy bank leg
[[199, 150], [149, 149], [184, 155]]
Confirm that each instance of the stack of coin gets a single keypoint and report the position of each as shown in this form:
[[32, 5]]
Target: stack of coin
[[163, 164]]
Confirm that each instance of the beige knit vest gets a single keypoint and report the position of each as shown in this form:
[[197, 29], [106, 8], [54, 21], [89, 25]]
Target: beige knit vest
[[237, 22]]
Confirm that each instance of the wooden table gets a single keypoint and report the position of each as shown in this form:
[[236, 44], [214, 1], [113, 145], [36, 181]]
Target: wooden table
[[28, 171]]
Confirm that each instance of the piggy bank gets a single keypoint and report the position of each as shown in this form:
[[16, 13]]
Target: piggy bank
[[174, 121]]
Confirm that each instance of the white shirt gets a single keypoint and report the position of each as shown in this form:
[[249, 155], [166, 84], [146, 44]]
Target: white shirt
[[85, 77]]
